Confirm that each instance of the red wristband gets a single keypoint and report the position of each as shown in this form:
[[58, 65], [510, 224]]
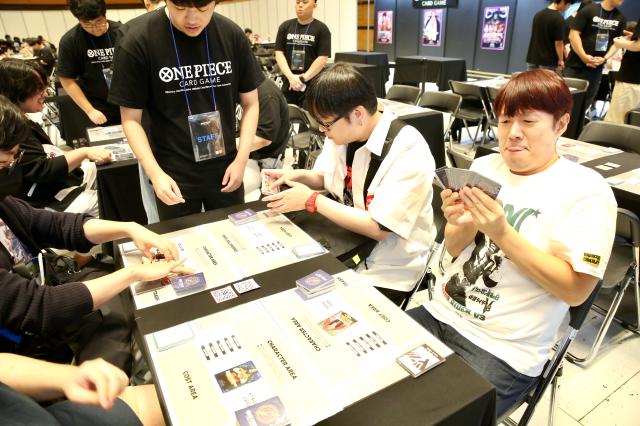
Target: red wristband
[[310, 204]]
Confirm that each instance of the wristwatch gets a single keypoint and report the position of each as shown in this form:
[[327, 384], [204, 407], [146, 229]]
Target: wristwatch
[[310, 204]]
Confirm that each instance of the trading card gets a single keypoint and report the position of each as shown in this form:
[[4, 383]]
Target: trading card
[[270, 412], [173, 336], [308, 250], [441, 176], [337, 322], [419, 360], [183, 283], [238, 376], [223, 294], [268, 188], [246, 285], [315, 280], [244, 216]]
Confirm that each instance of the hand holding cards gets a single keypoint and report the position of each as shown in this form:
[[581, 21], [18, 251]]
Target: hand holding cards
[[455, 179], [268, 187]]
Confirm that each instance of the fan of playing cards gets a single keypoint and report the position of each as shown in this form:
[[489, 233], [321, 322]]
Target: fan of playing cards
[[456, 179]]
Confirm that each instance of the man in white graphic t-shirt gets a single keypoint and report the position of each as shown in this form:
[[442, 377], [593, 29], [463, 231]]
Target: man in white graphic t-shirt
[[522, 260]]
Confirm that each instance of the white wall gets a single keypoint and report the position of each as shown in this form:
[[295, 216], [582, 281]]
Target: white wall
[[51, 24], [262, 16], [265, 16]]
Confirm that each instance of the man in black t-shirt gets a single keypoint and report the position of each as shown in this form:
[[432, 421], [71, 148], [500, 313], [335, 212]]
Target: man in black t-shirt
[[271, 136], [626, 92], [84, 61], [185, 66], [546, 47], [591, 36], [303, 46]]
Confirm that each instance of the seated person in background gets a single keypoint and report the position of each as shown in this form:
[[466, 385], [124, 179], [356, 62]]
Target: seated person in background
[[271, 137], [45, 56], [395, 208], [29, 310], [521, 261], [95, 393], [60, 180]]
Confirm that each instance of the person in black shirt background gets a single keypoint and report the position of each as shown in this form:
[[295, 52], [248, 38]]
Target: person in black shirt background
[[303, 46], [626, 92], [591, 36], [175, 63], [546, 47], [84, 62]]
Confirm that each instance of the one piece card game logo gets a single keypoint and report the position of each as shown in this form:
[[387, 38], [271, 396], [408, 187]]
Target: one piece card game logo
[[591, 259]]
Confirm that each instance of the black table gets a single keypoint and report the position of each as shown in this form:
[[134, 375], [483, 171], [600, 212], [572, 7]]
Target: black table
[[379, 59], [424, 400], [413, 70]]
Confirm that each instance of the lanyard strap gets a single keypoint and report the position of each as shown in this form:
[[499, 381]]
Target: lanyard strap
[[305, 33], [184, 89]]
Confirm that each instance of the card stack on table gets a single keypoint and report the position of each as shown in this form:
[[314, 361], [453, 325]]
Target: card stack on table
[[456, 179], [242, 217], [316, 283]]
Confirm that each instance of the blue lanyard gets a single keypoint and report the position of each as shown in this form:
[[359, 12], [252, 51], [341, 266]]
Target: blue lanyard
[[175, 47]]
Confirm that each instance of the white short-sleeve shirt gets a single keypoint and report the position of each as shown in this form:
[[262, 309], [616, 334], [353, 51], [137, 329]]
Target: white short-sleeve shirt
[[399, 198], [568, 211]]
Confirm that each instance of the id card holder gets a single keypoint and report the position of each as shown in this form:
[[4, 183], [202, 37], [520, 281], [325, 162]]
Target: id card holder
[[108, 76], [297, 60], [602, 42], [206, 135]]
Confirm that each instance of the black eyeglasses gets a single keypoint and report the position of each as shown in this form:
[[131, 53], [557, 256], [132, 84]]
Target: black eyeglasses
[[327, 126], [16, 159]]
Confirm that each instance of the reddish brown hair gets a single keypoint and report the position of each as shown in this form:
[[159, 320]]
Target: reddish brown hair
[[540, 90]]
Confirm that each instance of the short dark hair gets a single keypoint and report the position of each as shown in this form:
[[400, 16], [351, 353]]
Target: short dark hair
[[193, 3], [338, 90], [14, 129], [87, 10], [248, 30], [539, 90], [20, 79]]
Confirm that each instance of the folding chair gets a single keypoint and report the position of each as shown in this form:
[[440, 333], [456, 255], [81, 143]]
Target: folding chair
[[604, 133], [473, 108], [632, 117], [443, 102], [403, 93], [576, 83], [621, 272], [553, 368], [427, 278], [300, 140]]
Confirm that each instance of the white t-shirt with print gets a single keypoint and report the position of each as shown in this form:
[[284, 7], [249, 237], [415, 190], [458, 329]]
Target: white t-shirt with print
[[566, 210], [399, 199]]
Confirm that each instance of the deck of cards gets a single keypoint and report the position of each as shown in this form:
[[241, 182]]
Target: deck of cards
[[316, 283], [268, 188], [455, 179], [242, 217], [184, 283]]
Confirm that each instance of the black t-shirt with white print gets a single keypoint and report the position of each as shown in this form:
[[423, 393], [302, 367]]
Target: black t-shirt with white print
[[83, 57], [148, 77], [590, 21], [314, 38]]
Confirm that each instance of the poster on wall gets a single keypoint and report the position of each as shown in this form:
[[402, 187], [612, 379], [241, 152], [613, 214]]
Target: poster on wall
[[431, 27], [494, 27], [385, 27]]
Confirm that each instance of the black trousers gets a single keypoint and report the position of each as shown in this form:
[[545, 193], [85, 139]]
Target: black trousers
[[213, 200]]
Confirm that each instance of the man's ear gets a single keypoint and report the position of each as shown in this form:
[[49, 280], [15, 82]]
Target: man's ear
[[562, 124]]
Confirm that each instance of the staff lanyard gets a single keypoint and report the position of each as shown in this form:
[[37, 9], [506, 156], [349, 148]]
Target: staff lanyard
[[305, 33], [175, 47]]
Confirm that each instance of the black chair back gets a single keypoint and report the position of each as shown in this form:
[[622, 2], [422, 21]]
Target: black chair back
[[403, 93], [632, 117], [577, 83], [622, 136], [440, 101]]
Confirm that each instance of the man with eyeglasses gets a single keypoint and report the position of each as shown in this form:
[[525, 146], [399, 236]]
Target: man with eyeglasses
[[394, 207], [303, 45], [85, 59], [185, 67]]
